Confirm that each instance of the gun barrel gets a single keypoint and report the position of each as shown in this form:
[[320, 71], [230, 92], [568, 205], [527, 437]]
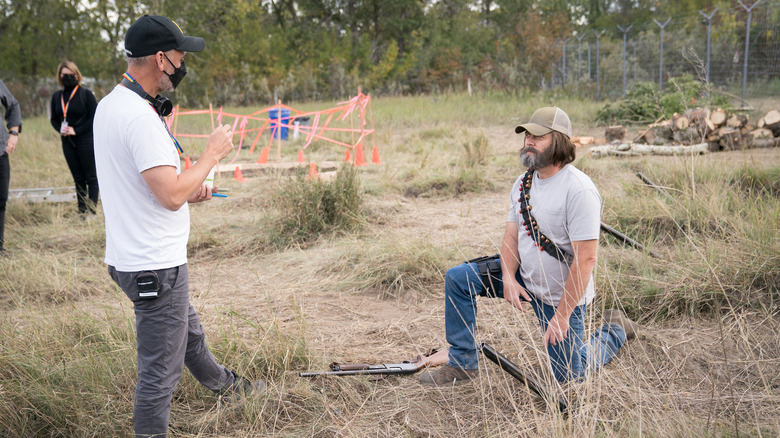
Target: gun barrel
[[651, 184], [515, 372], [350, 370], [626, 239]]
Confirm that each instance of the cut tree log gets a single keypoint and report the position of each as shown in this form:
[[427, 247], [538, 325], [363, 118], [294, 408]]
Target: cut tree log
[[771, 121], [718, 117], [583, 140], [689, 136], [761, 133], [680, 123], [634, 149], [730, 139], [772, 117], [647, 136], [697, 115], [766, 143], [737, 121], [615, 133]]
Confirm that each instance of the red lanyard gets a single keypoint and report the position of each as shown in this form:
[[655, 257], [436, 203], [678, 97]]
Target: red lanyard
[[66, 105]]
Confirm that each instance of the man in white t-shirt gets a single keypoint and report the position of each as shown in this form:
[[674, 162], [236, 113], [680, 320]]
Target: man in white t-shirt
[[145, 201], [546, 260]]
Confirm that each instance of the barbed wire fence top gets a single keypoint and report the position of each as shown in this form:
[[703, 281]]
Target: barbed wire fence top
[[736, 50]]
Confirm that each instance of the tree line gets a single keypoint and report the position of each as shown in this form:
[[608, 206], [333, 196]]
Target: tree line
[[320, 49]]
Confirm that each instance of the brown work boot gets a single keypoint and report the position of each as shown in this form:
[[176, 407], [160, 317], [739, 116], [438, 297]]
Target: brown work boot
[[616, 316], [447, 375]]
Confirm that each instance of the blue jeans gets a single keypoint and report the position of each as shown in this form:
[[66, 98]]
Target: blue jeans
[[569, 359]]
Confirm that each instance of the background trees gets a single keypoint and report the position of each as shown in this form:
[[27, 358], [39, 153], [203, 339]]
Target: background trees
[[322, 49]]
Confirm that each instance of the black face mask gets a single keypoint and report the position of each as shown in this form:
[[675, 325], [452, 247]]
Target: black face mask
[[69, 81], [178, 73]]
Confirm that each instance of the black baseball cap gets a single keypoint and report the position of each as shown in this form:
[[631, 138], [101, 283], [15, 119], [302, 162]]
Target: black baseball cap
[[152, 33]]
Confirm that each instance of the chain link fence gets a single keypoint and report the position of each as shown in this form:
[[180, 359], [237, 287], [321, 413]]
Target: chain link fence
[[736, 50]]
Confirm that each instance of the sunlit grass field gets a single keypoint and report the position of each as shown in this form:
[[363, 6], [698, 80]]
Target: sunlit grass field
[[290, 274]]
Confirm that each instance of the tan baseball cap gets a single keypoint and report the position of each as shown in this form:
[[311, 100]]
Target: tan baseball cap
[[547, 119]]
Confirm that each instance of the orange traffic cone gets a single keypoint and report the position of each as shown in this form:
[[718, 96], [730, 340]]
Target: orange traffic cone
[[375, 156], [347, 156], [313, 171], [301, 159], [237, 175], [360, 159], [263, 156], [187, 162]]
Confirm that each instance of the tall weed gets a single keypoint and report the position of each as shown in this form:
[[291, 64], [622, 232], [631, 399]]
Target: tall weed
[[310, 209]]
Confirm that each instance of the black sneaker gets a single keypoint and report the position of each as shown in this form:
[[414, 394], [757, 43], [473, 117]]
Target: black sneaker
[[236, 394]]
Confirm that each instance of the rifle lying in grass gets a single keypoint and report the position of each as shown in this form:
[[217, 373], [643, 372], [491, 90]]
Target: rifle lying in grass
[[507, 365], [382, 370], [625, 239]]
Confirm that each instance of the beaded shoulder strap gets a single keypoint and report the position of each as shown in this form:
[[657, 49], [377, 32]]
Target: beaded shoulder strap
[[532, 227]]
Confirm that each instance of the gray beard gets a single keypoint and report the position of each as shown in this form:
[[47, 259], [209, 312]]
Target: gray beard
[[533, 160], [165, 84]]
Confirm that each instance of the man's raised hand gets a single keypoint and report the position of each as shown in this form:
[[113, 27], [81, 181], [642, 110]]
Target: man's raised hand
[[220, 142]]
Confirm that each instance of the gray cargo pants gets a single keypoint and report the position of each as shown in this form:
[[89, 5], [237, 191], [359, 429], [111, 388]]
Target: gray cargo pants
[[169, 336]]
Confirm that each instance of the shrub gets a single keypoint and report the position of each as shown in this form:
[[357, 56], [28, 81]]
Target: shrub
[[308, 209], [645, 104]]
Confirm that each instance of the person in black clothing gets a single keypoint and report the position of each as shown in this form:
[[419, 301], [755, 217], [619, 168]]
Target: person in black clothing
[[8, 139], [72, 111]]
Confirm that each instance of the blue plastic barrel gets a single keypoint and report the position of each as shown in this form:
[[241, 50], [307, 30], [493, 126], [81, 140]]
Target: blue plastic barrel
[[280, 132]]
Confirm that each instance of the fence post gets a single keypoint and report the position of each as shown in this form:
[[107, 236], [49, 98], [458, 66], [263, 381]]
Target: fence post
[[589, 76], [625, 31], [579, 57], [564, 61], [598, 79], [708, 20], [747, 46], [661, 63]]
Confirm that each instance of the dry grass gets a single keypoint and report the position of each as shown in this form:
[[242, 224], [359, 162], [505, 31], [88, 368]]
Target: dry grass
[[705, 363]]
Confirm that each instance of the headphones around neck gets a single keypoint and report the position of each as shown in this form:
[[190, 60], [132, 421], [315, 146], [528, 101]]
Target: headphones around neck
[[161, 104]]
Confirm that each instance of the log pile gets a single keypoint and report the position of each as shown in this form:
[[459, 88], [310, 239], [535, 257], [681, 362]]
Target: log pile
[[716, 127], [636, 149]]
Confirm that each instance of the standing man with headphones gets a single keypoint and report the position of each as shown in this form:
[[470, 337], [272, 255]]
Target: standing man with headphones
[[145, 202]]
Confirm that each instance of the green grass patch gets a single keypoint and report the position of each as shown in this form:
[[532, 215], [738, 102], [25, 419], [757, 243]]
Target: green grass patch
[[309, 209], [390, 267]]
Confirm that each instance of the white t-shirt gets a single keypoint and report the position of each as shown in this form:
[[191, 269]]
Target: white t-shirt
[[567, 207], [130, 137]]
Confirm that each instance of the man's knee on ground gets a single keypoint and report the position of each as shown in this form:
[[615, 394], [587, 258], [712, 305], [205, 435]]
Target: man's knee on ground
[[458, 275]]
